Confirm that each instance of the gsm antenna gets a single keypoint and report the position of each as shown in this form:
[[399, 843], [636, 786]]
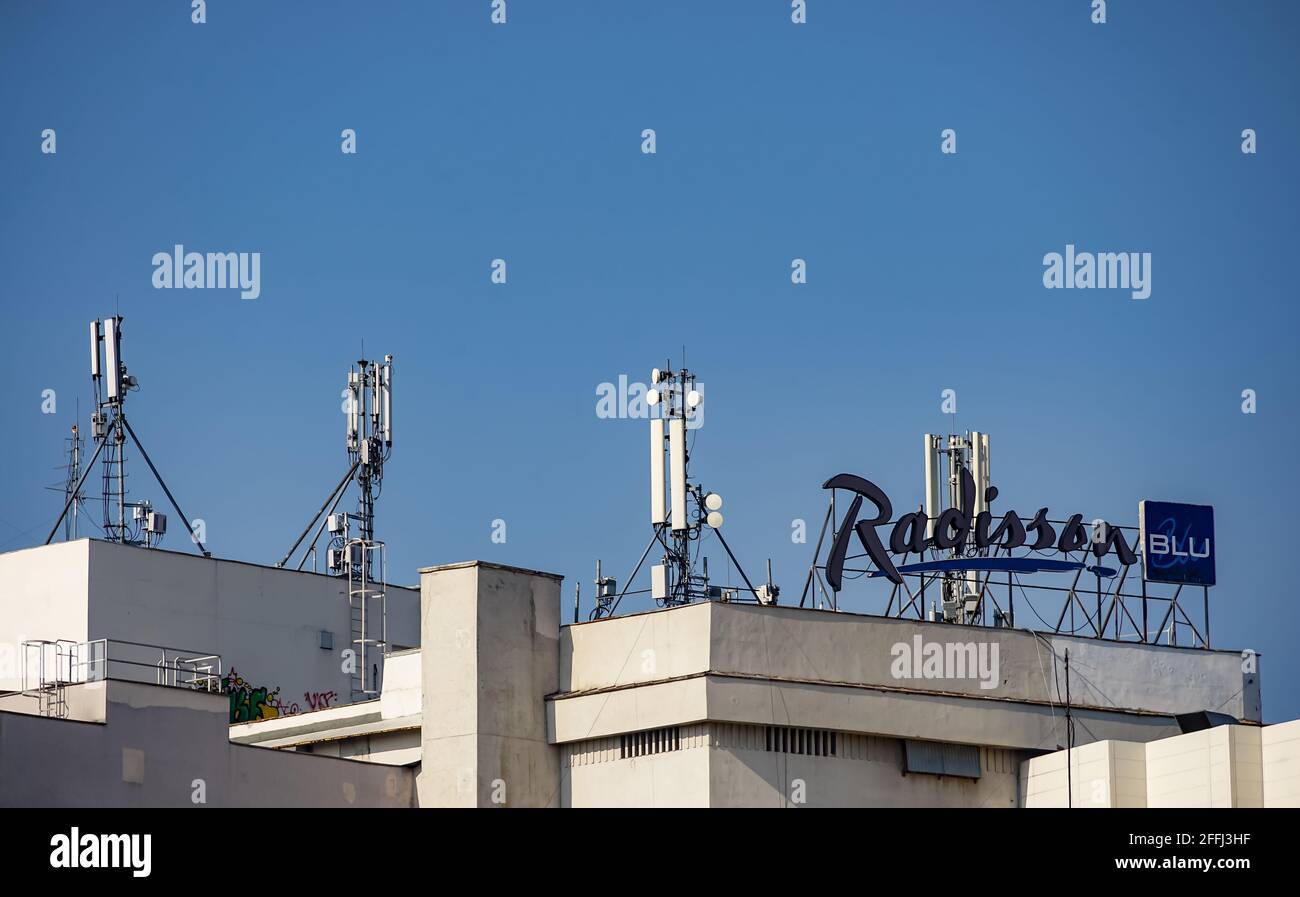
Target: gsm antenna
[[681, 511], [962, 591], [353, 551], [110, 430]]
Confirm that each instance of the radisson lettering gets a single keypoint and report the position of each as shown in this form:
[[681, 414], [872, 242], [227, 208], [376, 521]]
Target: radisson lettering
[[956, 529]]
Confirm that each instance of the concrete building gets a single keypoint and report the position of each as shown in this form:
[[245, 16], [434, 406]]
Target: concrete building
[[279, 634], [130, 744], [707, 704], [1225, 766]]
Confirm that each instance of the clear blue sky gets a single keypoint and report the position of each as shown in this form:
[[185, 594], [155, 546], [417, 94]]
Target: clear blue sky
[[775, 141]]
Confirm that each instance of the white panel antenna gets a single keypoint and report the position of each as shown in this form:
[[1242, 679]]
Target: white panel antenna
[[354, 410], [677, 472], [932, 492], [658, 513], [387, 377], [94, 349], [984, 480], [112, 364], [682, 575]]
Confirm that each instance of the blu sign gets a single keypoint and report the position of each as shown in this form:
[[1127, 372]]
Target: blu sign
[[1177, 542]]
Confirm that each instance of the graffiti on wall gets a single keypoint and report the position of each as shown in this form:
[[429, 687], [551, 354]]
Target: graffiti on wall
[[249, 701], [252, 702], [319, 700]]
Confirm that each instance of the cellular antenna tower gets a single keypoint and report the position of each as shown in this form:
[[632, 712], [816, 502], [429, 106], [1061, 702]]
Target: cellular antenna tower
[[681, 511], [944, 459], [110, 430], [353, 550]]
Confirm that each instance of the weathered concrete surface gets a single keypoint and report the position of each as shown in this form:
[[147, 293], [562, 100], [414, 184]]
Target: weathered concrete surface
[[717, 668], [899, 714], [815, 646], [490, 643], [167, 747]]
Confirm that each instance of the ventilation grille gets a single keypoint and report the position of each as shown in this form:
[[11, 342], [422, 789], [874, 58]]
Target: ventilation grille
[[813, 742], [651, 741]]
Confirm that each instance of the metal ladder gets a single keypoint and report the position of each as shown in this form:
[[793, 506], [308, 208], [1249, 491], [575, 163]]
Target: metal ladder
[[366, 601], [52, 679]]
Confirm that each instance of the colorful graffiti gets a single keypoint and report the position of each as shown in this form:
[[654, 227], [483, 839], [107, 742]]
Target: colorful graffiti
[[251, 702]]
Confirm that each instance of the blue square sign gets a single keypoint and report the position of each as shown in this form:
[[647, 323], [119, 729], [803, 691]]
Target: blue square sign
[[1177, 542]]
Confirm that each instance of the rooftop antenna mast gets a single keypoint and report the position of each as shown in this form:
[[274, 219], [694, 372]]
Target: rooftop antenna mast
[[110, 430], [945, 458], [69, 486], [680, 511], [360, 557]]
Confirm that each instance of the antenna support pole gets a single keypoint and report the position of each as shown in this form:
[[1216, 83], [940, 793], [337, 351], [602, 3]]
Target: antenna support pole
[[75, 492], [343, 484], [739, 569], [157, 476]]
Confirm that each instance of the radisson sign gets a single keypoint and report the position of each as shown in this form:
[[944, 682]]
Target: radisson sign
[[956, 530]]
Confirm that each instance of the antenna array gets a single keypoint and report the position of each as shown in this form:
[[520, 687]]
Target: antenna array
[[358, 555], [110, 430], [681, 511], [952, 454]]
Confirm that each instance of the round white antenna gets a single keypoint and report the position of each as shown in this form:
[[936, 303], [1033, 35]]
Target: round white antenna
[[713, 501], [693, 398], [652, 397], [654, 375], [714, 519]]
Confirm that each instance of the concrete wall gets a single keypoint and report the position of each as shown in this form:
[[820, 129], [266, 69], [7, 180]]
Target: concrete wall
[[1280, 761], [1102, 774], [725, 765], [1224, 766], [264, 622], [593, 774], [928, 717], [490, 640], [762, 779], [1218, 767], [38, 589], [383, 730], [161, 747], [806, 645], [723, 668]]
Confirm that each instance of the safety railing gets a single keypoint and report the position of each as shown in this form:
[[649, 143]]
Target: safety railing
[[49, 666]]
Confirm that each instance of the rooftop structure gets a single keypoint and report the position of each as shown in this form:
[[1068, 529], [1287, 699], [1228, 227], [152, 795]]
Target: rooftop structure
[[702, 704]]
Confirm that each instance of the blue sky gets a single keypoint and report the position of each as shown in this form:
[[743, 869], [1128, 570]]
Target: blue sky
[[774, 142]]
